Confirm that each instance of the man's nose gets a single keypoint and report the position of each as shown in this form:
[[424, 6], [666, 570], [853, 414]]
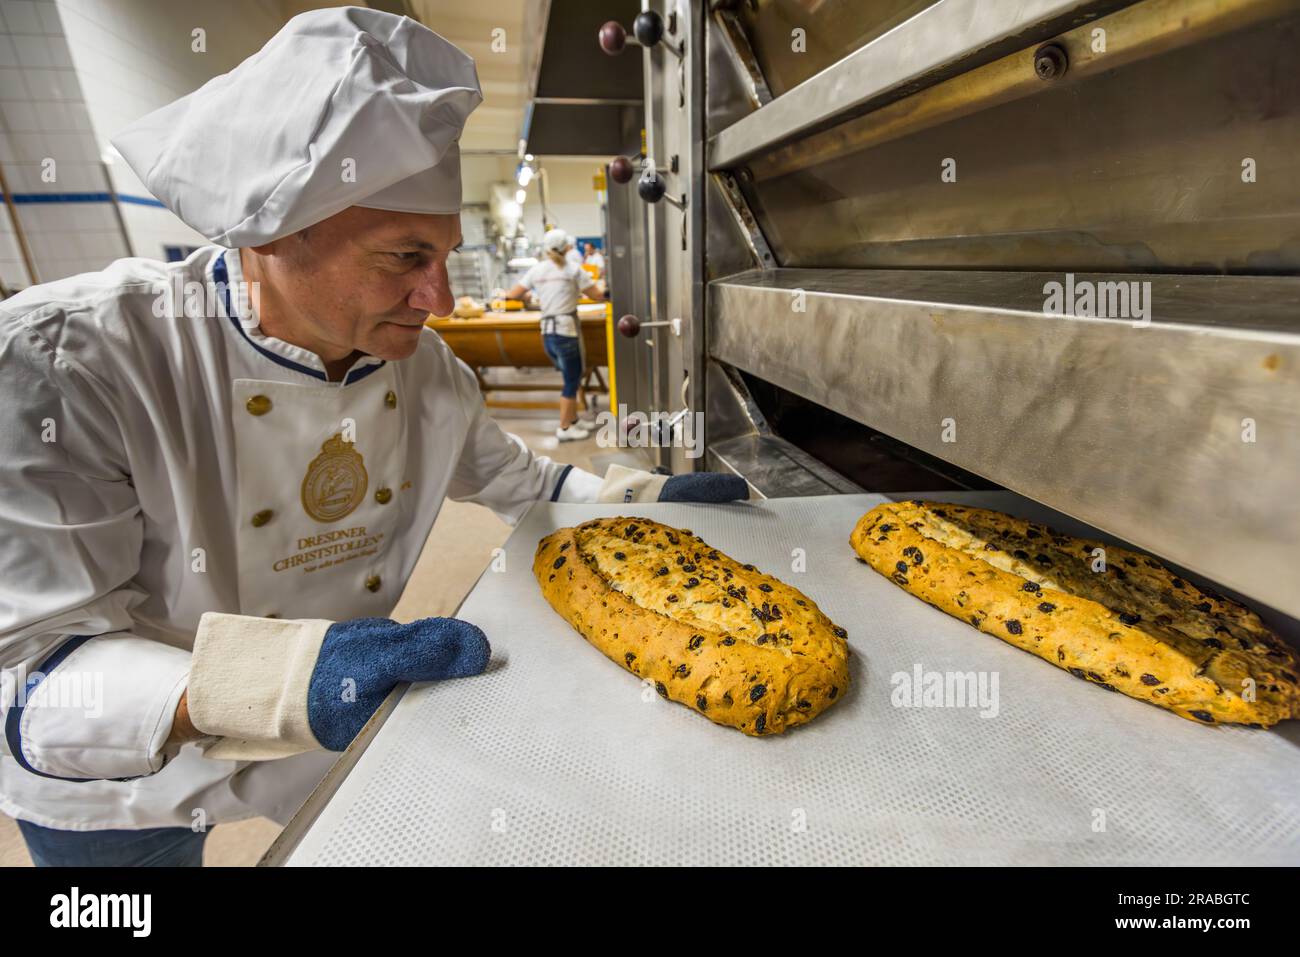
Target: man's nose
[[433, 294]]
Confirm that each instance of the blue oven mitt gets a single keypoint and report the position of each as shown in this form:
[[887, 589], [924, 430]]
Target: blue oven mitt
[[264, 688], [365, 658], [704, 487]]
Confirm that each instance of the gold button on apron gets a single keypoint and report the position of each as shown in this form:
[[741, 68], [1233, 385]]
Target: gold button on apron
[[383, 496], [390, 400], [262, 517], [258, 405], [373, 583]]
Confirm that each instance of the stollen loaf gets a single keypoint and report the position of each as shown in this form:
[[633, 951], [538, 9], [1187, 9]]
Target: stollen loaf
[[742, 648], [1108, 615]]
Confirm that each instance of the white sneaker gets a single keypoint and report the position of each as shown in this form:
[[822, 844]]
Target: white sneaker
[[572, 433]]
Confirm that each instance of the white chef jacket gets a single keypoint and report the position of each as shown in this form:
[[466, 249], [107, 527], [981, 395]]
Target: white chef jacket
[[158, 468], [557, 293]]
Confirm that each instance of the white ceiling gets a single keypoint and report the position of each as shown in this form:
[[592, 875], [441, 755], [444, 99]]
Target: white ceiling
[[503, 74]]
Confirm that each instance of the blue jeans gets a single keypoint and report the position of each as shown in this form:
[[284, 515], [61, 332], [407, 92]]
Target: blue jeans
[[151, 847], [565, 352]]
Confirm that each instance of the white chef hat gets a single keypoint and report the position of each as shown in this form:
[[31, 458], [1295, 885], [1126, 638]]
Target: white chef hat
[[556, 239], [343, 107]]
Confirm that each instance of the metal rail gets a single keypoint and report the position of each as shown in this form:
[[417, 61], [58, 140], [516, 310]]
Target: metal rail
[[936, 42]]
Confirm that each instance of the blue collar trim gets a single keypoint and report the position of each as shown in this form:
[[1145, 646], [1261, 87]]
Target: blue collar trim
[[221, 276]]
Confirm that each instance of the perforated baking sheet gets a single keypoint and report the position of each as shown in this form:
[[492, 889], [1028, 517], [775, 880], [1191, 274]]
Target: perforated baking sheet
[[558, 756]]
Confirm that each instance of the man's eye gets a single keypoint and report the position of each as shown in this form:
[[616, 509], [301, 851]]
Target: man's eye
[[405, 257]]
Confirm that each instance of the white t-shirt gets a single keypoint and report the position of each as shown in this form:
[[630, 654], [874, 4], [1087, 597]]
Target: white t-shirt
[[572, 256], [558, 289], [596, 259]]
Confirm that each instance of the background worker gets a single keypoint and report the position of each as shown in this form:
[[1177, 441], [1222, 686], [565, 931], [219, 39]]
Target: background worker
[[559, 284]]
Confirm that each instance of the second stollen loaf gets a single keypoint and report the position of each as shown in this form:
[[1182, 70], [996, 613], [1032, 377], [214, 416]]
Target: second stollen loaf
[[742, 648]]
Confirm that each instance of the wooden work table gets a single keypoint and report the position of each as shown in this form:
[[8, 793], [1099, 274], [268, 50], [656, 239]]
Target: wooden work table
[[514, 340]]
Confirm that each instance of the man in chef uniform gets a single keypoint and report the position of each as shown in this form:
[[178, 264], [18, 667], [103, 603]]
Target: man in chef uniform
[[219, 474]]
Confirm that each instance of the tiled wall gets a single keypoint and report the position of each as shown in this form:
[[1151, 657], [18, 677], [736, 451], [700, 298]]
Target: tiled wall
[[134, 56], [49, 152], [72, 74]]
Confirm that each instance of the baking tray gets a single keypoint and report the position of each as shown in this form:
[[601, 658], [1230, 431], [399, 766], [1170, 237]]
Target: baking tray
[[557, 756]]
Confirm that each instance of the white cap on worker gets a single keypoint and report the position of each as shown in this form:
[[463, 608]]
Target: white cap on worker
[[556, 239], [345, 106]]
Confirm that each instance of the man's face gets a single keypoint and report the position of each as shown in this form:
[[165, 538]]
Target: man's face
[[364, 279]]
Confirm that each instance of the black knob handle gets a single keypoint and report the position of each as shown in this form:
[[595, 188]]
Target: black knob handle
[[648, 28], [629, 326], [651, 186]]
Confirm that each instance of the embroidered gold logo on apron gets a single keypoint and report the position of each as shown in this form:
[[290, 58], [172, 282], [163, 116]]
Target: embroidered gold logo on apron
[[335, 482]]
